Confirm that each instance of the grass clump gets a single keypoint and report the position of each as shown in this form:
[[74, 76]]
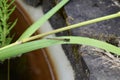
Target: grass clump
[[26, 41]]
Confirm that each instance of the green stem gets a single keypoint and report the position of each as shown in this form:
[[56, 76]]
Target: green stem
[[4, 21], [65, 28], [73, 26]]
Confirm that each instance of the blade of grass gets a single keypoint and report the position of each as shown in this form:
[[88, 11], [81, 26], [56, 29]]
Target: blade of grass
[[30, 46], [42, 20]]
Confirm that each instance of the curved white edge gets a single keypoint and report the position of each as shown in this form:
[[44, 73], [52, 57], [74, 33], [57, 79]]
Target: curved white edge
[[61, 63], [63, 68]]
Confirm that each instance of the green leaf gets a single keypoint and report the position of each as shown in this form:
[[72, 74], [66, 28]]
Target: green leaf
[[13, 24], [30, 46], [11, 11], [1, 3], [42, 20], [10, 4]]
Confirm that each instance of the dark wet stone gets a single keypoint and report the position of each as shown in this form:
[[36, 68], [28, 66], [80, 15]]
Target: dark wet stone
[[88, 64], [100, 66], [83, 10], [34, 3]]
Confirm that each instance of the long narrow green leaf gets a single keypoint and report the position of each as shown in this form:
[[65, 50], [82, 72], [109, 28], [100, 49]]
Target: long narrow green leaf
[[42, 20], [11, 11], [12, 25], [30, 46]]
